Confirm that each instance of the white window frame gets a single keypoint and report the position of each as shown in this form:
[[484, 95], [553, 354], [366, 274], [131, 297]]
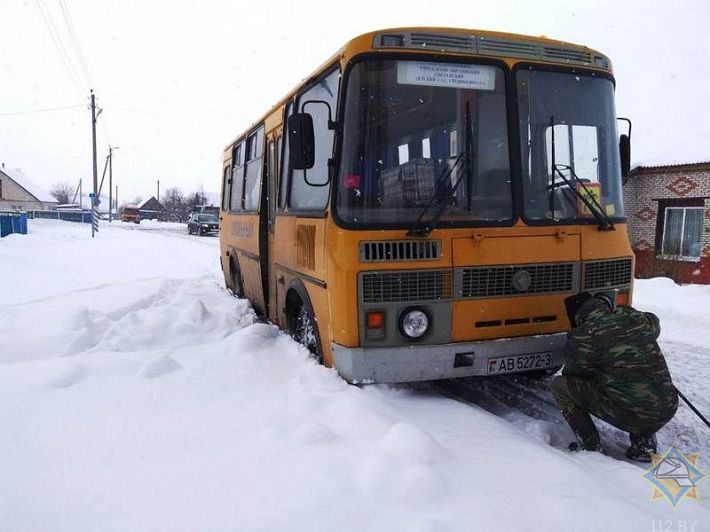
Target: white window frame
[[682, 231]]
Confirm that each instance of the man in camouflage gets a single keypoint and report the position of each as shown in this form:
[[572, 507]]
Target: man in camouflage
[[614, 370]]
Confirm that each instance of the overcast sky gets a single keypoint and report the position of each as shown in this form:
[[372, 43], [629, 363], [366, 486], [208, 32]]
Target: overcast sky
[[177, 80]]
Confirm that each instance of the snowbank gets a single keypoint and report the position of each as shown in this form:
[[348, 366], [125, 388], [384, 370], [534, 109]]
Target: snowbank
[[137, 394]]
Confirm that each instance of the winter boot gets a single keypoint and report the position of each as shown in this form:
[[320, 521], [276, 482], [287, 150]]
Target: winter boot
[[643, 447], [580, 446], [583, 427]]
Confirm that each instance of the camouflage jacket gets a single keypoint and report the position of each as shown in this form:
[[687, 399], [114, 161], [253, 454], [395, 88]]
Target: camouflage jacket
[[618, 351]]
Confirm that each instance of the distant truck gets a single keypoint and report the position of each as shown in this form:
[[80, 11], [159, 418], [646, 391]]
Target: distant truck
[[131, 213]]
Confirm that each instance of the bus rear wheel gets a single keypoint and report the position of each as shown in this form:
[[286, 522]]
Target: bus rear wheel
[[235, 279], [303, 329]]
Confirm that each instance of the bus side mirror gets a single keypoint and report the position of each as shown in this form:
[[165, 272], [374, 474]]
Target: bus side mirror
[[301, 141], [625, 149], [625, 152]]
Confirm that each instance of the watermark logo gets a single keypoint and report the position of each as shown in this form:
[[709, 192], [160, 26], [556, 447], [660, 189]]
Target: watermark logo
[[675, 476]]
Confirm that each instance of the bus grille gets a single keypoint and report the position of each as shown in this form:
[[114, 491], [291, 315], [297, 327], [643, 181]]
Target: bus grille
[[492, 46], [399, 250], [516, 280], [607, 273], [403, 286], [573, 55], [442, 40], [496, 46]]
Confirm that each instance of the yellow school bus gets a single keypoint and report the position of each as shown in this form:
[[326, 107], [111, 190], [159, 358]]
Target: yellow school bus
[[421, 205]]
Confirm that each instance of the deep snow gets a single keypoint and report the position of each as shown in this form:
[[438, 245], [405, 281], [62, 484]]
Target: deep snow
[[137, 394]]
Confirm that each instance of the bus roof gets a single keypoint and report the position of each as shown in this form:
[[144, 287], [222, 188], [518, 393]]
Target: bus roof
[[512, 47]]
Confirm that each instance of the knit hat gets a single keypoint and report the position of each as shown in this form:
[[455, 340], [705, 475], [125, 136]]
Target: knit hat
[[579, 306], [572, 304]]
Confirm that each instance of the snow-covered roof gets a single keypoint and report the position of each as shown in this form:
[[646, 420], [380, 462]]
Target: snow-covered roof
[[145, 202], [680, 167], [30, 186]]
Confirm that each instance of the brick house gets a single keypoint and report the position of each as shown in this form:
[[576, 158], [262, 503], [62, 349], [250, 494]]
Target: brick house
[[668, 210]]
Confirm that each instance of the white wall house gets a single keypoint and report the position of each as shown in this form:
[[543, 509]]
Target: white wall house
[[18, 193]]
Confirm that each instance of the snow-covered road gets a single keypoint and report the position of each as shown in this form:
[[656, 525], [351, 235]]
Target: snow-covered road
[[137, 394]]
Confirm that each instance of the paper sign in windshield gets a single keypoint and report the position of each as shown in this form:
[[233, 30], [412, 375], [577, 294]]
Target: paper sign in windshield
[[593, 192], [455, 76]]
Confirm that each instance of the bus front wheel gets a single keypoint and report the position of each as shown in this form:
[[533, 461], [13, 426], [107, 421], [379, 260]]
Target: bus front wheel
[[303, 327]]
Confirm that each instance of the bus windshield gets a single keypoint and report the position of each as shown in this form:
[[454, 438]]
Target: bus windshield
[[577, 111], [408, 125]]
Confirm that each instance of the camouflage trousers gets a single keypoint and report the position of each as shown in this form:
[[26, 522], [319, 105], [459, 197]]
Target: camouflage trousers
[[577, 398]]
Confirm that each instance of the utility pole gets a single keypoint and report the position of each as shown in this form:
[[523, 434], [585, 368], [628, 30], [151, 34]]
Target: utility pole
[[94, 199], [158, 198], [110, 181], [117, 202]]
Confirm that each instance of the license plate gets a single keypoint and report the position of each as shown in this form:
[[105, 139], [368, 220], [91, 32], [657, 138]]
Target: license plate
[[516, 363]]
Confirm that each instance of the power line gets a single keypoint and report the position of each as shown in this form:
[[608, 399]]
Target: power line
[[44, 110], [81, 77], [105, 131], [162, 101], [80, 57], [75, 41], [56, 38], [170, 115]]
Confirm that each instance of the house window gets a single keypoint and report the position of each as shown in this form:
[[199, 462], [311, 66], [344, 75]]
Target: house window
[[682, 232]]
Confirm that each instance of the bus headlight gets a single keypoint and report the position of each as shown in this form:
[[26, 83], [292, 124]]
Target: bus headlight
[[414, 323]]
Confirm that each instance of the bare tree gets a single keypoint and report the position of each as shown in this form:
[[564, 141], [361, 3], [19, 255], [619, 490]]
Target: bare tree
[[61, 191], [176, 208], [196, 200]]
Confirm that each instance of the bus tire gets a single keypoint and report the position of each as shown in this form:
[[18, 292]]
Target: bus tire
[[235, 278], [302, 325], [539, 374]]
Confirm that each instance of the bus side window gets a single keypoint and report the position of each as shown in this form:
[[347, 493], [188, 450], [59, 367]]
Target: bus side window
[[277, 180], [252, 178], [285, 170], [235, 201], [271, 180], [226, 188], [304, 196]]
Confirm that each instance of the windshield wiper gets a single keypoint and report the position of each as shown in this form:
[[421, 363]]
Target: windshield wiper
[[587, 198], [444, 199], [420, 230]]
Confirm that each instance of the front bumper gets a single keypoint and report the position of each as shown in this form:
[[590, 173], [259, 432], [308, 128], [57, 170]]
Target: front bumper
[[410, 363]]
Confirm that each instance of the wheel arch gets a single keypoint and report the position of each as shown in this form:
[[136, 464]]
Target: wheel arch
[[233, 258], [297, 294]]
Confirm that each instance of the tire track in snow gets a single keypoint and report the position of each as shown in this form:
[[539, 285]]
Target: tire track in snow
[[83, 290], [180, 313]]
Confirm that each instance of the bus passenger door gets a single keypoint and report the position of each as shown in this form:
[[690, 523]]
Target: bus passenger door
[[272, 165]]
